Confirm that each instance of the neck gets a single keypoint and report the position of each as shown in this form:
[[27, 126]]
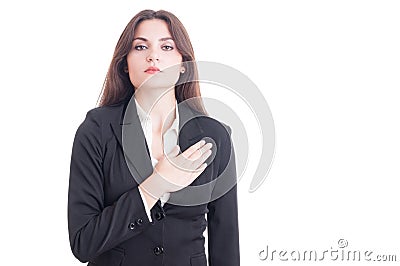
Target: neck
[[160, 102]]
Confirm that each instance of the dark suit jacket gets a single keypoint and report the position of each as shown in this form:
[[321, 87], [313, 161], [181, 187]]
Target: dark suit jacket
[[107, 221]]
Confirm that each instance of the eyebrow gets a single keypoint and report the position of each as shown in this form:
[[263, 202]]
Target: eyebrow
[[161, 40]]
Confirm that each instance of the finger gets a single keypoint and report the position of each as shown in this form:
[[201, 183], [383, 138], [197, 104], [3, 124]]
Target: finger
[[195, 173], [200, 169], [188, 165], [197, 154], [198, 157], [197, 163], [193, 148]]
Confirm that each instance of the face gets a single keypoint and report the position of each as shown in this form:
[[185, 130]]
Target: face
[[154, 61]]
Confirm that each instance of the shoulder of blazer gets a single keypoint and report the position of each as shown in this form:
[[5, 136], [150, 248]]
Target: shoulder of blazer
[[109, 113], [211, 124]]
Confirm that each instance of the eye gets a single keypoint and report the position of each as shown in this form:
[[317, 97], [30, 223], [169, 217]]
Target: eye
[[140, 47], [167, 48]]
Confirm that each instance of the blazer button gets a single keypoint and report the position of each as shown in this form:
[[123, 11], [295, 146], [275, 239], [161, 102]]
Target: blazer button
[[160, 216], [158, 250], [139, 221], [131, 226]]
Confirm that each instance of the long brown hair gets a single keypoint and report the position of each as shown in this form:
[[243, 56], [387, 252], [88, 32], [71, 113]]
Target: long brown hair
[[117, 86]]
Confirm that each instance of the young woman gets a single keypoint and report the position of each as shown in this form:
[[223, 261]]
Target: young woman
[[127, 169]]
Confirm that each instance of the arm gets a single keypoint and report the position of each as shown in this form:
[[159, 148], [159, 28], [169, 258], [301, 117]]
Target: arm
[[223, 231], [93, 227]]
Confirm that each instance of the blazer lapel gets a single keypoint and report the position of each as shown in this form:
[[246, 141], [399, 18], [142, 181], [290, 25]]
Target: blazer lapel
[[130, 136]]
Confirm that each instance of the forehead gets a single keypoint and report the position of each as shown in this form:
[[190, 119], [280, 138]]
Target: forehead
[[152, 29]]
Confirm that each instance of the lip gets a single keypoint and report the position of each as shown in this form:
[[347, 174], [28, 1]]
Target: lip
[[152, 70]]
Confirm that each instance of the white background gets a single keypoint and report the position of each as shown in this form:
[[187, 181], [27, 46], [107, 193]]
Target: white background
[[329, 71]]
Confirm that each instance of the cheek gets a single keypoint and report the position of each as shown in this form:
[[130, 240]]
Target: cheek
[[135, 73], [136, 78], [130, 61], [175, 58]]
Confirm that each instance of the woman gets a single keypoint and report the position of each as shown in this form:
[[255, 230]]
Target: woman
[[127, 173]]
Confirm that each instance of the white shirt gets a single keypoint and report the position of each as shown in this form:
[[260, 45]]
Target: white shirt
[[170, 140]]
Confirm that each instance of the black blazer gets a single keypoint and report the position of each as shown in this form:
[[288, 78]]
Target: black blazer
[[107, 221]]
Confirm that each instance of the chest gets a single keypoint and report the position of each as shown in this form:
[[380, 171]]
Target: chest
[[119, 179], [157, 145]]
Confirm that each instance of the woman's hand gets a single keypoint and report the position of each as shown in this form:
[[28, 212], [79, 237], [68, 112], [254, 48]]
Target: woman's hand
[[176, 171]]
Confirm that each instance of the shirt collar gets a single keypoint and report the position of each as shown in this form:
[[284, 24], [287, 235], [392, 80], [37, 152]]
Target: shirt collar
[[144, 117]]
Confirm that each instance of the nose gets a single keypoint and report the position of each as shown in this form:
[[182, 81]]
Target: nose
[[153, 56]]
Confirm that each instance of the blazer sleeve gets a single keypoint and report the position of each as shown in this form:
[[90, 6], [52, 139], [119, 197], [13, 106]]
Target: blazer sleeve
[[95, 228], [222, 218]]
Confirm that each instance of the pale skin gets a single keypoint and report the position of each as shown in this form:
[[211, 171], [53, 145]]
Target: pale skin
[[153, 46]]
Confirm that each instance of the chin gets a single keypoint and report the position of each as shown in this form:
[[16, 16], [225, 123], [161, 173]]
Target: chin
[[160, 81]]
